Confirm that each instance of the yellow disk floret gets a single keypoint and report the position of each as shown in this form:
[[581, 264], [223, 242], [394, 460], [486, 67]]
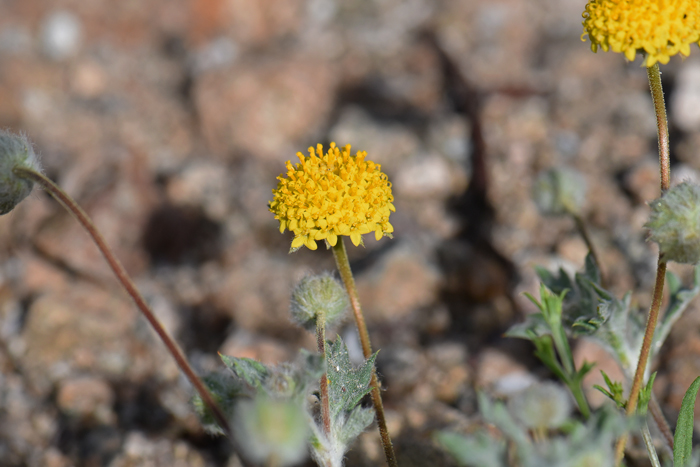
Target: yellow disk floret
[[327, 195], [661, 28]]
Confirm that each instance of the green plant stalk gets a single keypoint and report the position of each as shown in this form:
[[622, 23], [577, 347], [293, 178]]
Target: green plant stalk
[[341, 260], [657, 96], [649, 443], [72, 207], [580, 397], [574, 383], [562, 344], [323, 386]]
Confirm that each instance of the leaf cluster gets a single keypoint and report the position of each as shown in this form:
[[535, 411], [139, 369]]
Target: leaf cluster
[[577, 444], [347, 386], [245, 378], [589, 310]]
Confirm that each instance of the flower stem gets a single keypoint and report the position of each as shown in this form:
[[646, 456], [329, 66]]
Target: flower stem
[[72, 207], [341, 260], [657, 95], [323, 388]]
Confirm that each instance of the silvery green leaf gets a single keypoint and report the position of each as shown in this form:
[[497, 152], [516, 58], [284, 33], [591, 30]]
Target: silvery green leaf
[[346, 385], [680, 299], [534, 325], [226, 390], [683, 439], [358, 419], [251, 371], [313, 366], [620, 330], [581, 300], [497, 414], [480, 450]]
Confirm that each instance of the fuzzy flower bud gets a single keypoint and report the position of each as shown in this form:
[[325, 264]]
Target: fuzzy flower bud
[[271, 431], [543, 405], [559, 191], [674, 223], [317, 297], [15, 151]]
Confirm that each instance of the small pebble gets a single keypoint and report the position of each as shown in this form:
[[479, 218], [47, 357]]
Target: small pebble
[[60, 35], [685, 100]]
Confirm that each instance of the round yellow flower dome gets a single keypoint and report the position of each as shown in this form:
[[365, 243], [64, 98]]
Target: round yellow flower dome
[[661, 28], [327, 195]]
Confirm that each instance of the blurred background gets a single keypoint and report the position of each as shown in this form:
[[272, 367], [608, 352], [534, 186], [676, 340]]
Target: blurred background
[[168, 120]]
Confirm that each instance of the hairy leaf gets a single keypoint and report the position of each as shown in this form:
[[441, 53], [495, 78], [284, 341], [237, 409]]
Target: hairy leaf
[[251, 371], [683, 439]]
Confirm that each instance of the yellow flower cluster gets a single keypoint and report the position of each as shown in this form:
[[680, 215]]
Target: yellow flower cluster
[[661, 28], [326, 195]]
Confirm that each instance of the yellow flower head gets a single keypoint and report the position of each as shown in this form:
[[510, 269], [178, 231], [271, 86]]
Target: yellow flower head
[[326, 195], [661, 28]]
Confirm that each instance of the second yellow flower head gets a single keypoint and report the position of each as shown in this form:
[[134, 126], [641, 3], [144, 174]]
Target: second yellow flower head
[[327, 195], [661, 28]]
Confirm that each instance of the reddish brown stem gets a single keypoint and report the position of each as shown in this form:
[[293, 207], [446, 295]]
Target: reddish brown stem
[[648, 337], [644, 354], [657, 95], [325, 403], [119, 271], [661, 422], [341, 259]]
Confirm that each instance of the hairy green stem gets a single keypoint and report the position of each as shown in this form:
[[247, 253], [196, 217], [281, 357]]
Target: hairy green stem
[[341, 260], [72, 207], [649, 443], [561, 342], [657, 95], [581, 400]]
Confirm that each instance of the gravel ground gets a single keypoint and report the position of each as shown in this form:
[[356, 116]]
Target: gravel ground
[[168, 120]]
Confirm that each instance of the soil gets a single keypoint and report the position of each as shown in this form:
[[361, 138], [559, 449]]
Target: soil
[[169, 121]]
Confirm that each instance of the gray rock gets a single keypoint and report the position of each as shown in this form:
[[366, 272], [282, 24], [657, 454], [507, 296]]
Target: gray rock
[[685, 101]]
